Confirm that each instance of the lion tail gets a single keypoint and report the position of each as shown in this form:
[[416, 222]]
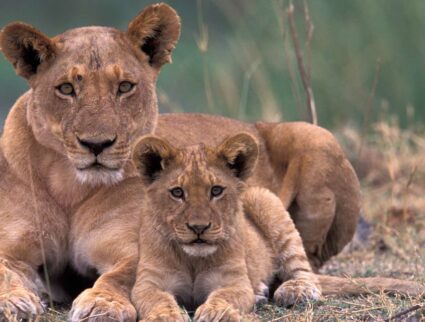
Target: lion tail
[[332, 285]]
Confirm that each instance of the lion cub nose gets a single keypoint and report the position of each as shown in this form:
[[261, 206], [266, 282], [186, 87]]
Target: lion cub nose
[[97, 146], [198, 229]]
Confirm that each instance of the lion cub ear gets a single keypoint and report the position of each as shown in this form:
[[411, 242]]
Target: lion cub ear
[[156, 31], [151, 155], [26, 48], [240, 152]]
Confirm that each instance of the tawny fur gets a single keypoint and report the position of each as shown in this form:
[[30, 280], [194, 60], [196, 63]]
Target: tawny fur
[[224, 275], [249, 240], [46, 174], [46, 170]]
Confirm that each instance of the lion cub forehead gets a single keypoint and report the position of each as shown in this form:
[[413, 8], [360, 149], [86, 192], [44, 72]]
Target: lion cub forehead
[[198, 165]]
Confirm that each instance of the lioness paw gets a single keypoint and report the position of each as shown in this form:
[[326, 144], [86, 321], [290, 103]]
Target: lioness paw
[[296, 291], [101, 306], [217, 313], [19, 304]]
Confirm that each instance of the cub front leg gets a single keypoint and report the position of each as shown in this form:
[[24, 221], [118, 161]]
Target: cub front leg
[[267, 212], [226, 304], [152, 297], [234, 297]]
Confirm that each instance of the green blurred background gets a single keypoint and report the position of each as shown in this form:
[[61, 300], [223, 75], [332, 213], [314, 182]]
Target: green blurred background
[[244, 71]]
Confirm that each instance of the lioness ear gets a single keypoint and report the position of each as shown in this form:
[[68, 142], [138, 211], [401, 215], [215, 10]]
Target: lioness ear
[[156, 31], [240, 152], [151, 156], [26, 48]]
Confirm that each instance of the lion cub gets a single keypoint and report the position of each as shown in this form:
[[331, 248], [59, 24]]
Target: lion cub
[[208, 240]]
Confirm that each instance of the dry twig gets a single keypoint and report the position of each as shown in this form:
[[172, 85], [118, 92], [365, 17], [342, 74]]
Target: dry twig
[[301, 67], [405, 312], [369, 107]]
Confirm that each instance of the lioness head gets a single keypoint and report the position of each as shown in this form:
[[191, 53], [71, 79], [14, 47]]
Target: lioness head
[[93, 88], [193, 193]]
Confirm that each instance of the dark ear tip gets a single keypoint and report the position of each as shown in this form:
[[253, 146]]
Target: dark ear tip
[[240, 153], [163, 7], [141, 142], [15, 27], [247, 139], [149, 142]]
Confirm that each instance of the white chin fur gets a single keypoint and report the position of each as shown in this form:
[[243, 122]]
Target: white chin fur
[[98, 177], [199, 250]]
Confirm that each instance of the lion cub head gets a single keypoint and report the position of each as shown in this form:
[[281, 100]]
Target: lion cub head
[[193, 192], [93, 88]]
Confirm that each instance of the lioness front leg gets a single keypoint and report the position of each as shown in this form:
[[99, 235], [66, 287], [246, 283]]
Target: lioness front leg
[[20, 290], [267, 212], [29, 239], [104, 237], [108, 299]]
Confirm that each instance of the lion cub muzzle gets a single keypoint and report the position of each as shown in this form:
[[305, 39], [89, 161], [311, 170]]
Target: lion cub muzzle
[[197, 239]]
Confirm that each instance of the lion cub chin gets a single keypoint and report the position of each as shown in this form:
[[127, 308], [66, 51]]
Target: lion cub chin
[[207, 241]]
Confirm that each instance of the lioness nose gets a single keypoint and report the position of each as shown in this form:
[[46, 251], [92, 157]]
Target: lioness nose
[[95, 146], [198, 229]]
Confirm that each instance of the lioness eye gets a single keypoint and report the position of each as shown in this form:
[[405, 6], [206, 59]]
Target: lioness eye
[[216, 191], [66, 89], [177, 193], [125, 87]]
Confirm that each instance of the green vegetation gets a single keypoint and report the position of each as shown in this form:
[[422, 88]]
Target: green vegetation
[[243, 72]]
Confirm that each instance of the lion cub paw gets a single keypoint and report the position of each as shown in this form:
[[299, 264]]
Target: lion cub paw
[[222, 312], [167, 316], [262, 293], [18, 304], [296, 291], [99, 306]]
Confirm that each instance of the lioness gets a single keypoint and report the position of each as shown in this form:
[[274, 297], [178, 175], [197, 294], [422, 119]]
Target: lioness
[[67, 138]]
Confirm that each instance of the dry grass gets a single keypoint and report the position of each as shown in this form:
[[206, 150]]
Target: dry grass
[[393, 187]]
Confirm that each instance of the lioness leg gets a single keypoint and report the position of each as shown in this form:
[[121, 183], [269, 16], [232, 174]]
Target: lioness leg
[[108, 299], [30, 237], [20, 290], [318, 185], [267, 212], [104, 237]]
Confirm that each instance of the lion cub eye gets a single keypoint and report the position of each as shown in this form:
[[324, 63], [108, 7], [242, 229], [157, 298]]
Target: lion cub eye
[[177, 193], [66, 89], [125, 87], [216, 191]]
